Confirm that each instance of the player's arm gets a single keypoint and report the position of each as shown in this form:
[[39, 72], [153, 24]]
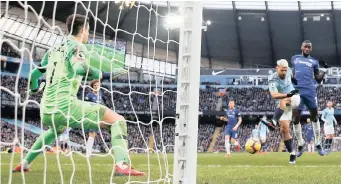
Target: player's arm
[[276, 95], [323, 116], [239, 121], [319, 74], [37, 73], [293, 80], [223, 118]]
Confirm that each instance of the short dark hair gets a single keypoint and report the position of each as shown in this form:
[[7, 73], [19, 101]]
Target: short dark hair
[[78, 23], [306, 42]]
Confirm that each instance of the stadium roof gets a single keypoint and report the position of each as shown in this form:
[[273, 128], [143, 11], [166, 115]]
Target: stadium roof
[[250, 33]]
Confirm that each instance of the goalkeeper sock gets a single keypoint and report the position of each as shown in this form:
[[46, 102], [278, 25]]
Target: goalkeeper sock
[[316, 128], [89, 145], [48, 137], [119, 142], [298, 134], [331, 143]]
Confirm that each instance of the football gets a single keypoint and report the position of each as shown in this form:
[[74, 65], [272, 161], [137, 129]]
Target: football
[[252, 146]]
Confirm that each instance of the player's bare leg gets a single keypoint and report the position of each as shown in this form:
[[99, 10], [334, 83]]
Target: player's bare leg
[[285, 131], [316, 128], [118, 130], [227, 146], [298, 131]]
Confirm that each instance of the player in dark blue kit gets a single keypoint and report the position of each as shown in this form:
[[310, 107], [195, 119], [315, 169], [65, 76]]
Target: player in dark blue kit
[[234, 120], [94, 96], [309, 134], [306, 74]]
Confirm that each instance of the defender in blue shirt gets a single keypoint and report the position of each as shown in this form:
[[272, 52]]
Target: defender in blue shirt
[[306, 74], [234, 120], [309, 136], [94, 96]]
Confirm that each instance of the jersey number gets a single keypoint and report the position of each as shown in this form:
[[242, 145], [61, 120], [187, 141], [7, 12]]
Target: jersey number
[[54, 69]]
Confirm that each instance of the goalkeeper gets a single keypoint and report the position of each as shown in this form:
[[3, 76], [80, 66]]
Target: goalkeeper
[[65, 66]]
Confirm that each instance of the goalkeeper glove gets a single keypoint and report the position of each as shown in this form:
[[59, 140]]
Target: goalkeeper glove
[[37, 90], [292, 93]]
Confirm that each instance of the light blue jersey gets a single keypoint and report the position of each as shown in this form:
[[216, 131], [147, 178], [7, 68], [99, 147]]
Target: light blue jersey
[[263, 129], [276, 84], [328, 117], [255, 133]]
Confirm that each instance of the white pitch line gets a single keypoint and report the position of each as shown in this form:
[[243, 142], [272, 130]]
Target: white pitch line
[[226, 166]]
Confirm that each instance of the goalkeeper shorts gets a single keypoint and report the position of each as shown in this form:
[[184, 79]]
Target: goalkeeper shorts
[[87, 113]]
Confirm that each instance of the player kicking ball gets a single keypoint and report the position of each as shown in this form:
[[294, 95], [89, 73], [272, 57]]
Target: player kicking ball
[[233, 119], [329, 122], [65, 66], [306, 74], [263, 131], [283, 91]]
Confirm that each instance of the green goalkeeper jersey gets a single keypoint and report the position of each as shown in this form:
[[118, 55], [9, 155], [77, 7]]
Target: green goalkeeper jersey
[[65, 66]]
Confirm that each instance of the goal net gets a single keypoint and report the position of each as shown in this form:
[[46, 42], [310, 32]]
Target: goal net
[[336, 144], [147, 47]]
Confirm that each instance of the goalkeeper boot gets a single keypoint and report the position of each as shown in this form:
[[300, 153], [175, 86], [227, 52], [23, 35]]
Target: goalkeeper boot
[[320, 150], [300, 150], [18, 169], [127, 171]]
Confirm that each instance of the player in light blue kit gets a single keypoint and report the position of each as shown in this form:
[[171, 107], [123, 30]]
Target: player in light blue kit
[[255, 133], [306, 74], [233, 119], [263, 132], [309, 134], [283, 91], [329, 122]]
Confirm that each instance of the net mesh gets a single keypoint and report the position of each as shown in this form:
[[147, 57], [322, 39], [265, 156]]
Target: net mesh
[[146, 137]]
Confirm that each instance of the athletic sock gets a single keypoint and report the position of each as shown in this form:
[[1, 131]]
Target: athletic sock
[[309, 148], [288, 145], [227, 146], [48, 136], [263, 147], [119, 141], [89, 145], [317, 134], [298, 134], [278, 114]]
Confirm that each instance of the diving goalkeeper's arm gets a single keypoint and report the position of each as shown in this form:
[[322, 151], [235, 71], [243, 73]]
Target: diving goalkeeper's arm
[[36, 74]]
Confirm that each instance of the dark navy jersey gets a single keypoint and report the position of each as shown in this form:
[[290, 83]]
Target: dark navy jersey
[[304, 68], [309, 130], [232, 115], [92, 97]]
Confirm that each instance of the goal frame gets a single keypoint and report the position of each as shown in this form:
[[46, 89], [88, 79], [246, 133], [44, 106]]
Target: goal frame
[[186, 130]]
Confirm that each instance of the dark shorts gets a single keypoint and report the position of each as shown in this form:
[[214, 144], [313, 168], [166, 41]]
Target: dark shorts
[[308, 100], [309, 139]]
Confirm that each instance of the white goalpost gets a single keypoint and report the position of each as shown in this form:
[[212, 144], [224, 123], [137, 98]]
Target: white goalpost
[[186, 131], [29, 34]]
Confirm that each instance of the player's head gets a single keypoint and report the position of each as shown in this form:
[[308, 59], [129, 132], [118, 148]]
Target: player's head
[[306, 47], [231, 103], [95, 85], [282, 68], [329, 104], [308, 120], [78, 26]]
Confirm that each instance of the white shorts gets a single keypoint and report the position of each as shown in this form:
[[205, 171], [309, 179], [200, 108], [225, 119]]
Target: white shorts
[[287, 115], [329, 130], [263, 138], [255, 139]]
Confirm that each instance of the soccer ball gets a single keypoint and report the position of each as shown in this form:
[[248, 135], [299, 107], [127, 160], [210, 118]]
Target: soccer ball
[[295, 101], [252, 146]]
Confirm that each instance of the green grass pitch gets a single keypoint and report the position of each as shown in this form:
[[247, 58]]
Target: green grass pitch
[[241, 168]]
